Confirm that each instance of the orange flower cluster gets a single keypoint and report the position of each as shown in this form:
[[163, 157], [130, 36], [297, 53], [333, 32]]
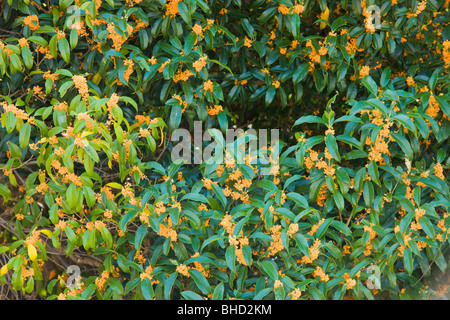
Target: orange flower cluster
[[321, 274], [381, 146], [372, 235], [52, 76], [277, 284], [163, 65], [182, 76], [276, 83], [117, 39], [32, 22], [419, 213], [420, 7], [214, 110], [247, 42], [322, 196], [410, 82], [433, 107], [364, 72], [314, 56], [113, 101], [167, 232], [33, 238], [172, 8], [141, 119], [283, 9], [198, 30], [183, 269], [227, 224], [315, 227], [208, 86], [293, 228], [131, 3], [446, 52], [439, 171], [26, 273], [81, 84], [17, 112], [295, 294], [199, 267], [67, 176], [313, 253], [349, 281], [37, 92], [100, 282], [200, 63], [147, 274], [238, 248], [23, 42], [129, 70], [276, 245], [8, 51], [367, 18], [183, 104], [89, 122], [351, 46], [80, 27], [127, 190]]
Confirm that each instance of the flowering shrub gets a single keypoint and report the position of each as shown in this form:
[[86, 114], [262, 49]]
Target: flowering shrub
[[91, 92]]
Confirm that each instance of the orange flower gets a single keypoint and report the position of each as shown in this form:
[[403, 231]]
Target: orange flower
[[277, 244], [433, 107], [32, 22], [439, 171], [446, 52], [410, 82], [214, 110], [276, 84], [116, 38], [129, 70], [283, 9], [321, 274], [23, 42], [247, 42], [315, 227], [198, 30], [200, 63], [81, 84], [364, 72], [182, 76], [163, 65], [295, 294], [208, 86], [171, 8], [183, 269]]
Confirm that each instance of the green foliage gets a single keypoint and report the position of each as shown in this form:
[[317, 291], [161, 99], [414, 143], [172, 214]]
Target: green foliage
[[91, 92]]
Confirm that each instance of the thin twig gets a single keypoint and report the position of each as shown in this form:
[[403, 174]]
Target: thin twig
[[164, 149]]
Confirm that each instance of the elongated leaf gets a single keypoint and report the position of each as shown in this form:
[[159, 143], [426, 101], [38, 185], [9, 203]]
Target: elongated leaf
[[269, 268], [200, 281], [331, 144], [404, 145], [64, 49], [309, 119]]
